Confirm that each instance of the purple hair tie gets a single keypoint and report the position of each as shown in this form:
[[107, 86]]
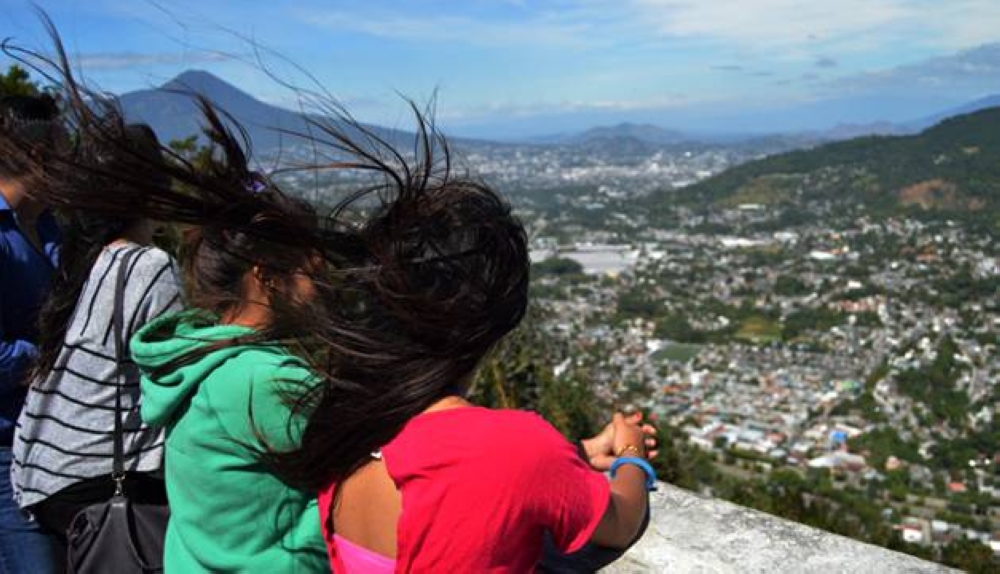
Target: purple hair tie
[[256, 183]]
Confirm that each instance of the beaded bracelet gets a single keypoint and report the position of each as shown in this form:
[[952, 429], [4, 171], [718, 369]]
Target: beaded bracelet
[[641, 463]]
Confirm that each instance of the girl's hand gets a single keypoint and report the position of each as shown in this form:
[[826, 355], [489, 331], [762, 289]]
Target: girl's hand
[[624, 430]]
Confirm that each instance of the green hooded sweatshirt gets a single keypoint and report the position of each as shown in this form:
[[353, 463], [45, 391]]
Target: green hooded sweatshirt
[[228, 513]]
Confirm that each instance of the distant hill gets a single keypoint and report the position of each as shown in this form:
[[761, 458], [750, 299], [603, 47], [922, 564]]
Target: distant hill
[[171, 111], [967, 108], [626, 131], [953, 166], [850, 131], [646, 133], [653, 136], [886, 128]]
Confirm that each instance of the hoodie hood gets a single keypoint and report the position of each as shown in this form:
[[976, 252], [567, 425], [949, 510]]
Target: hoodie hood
[[169, 338]]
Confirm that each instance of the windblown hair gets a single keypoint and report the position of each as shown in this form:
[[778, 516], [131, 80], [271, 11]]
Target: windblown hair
[[85, 234], [444, 278], [239, 220], [425, 269], [33, 120]]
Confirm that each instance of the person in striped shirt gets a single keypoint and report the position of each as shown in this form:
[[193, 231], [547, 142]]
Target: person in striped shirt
[[63, 443]]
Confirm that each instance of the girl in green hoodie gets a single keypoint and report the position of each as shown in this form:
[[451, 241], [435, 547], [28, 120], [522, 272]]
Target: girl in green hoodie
[[218, 380], [228, 512]]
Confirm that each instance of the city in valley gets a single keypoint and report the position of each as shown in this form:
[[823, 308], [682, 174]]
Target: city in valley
[[802, 334]]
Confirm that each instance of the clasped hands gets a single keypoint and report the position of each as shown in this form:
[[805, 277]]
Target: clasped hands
[[625, 435]]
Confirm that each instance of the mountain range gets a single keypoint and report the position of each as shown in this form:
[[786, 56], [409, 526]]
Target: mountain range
[[655, 135], [173, 114]]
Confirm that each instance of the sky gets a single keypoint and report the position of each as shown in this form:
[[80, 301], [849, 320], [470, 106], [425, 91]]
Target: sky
[[520, 68]]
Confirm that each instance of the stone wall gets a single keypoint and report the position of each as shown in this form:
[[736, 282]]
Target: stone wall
[[689, 533]]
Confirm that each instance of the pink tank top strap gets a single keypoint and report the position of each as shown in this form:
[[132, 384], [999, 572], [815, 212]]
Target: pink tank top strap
[[360, 560]]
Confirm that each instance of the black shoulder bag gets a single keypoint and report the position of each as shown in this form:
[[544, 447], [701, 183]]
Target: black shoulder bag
[[118, 536]]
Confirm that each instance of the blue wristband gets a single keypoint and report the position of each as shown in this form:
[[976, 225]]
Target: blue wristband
[[641, 463]]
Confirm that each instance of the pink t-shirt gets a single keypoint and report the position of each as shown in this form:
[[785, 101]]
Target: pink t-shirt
[[479, 489]]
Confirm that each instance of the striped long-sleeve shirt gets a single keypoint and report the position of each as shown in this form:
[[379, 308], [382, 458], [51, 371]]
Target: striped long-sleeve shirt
[[65, 432]]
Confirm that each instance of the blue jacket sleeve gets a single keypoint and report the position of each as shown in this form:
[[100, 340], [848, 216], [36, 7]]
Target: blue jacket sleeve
[[15, 357], [15, 354]]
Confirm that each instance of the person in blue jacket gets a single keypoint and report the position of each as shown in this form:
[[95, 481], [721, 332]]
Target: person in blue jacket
[[29, 239]]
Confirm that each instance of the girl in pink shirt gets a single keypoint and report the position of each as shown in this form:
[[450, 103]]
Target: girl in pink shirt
[[413, 478], [480, 487]]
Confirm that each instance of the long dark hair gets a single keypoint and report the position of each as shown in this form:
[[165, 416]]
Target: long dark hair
[[444, 278], [84, 236], [426, 269]]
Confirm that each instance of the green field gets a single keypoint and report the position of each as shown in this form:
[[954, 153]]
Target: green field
[[759, 329], [678, 352]]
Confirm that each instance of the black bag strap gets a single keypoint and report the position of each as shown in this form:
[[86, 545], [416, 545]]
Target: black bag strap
[[118, 316]]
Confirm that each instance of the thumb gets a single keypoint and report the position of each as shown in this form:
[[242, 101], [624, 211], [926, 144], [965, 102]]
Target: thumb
[[601, 462]]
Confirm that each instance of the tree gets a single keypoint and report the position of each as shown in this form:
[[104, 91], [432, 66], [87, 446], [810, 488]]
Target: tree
[[17, 82], [676, 327], [934, 385], [803, 320], [970, 556], [679, 463], [790, 286], [559, 266], [521, 375], [191, 150], [636, 303], [884, 442]]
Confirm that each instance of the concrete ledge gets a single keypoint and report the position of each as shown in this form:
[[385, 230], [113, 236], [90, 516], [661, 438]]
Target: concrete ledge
[[690, 533]]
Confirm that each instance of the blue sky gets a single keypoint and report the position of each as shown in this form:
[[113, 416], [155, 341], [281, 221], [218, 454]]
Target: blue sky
[[507, 68]]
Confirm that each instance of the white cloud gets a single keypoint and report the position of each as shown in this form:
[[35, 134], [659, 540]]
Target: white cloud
[[542, 30], [540, 108], [975, 70], [778, 29], [958, 24], [849, 25], [769, 23], [120, 60]]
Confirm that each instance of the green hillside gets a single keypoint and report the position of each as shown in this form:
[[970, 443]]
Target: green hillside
[[951, 167]]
